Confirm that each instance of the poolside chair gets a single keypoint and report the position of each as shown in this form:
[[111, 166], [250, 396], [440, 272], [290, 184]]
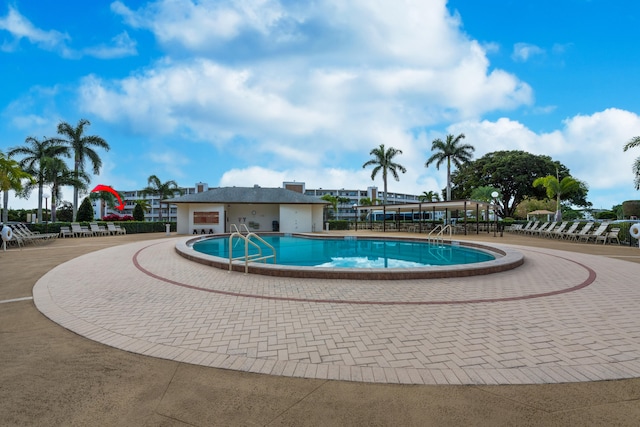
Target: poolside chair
[[29, 236], [568, 232], [587, 237], [34, 234], [525, 228], [65, 231], [607, 236], [97, 230], [79, 231], [552, 232], [115, 229], [575, 236], [544, 228], [533, 227], [536, 227]]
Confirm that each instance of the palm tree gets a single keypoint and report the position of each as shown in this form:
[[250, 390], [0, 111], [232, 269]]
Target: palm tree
[[635, 142], [35, 155], [451, 151], [11, 177], [383, 161], [82, 147], [161, 189], [428, 196], [558, 189], [58, 174]]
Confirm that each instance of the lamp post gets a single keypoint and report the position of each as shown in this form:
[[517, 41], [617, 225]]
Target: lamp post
[[46, 223], [495, 216], [355, 209]]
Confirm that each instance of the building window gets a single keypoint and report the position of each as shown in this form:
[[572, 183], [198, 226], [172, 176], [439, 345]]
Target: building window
[[206, 217]]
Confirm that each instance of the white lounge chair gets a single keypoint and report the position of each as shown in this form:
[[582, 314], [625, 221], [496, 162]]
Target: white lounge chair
[[570, 231], [65, 232], [594, 236], [97, 230], [552, 232], [80, 231], [609, 236], [576, 236], [115, 229]]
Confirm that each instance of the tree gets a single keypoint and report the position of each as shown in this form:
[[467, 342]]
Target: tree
[[512, 173], [85, 211], [559, 189], [57, 174], [64, 212], [138, 212], [429, 196], [163, 190], [451, 151], [635, 142], [11, 177], [35, 154], [333, 200], [484, 193], [383, 161], [82, 147]]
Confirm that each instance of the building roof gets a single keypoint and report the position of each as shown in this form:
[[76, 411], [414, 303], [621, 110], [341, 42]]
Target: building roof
[[247, 195]]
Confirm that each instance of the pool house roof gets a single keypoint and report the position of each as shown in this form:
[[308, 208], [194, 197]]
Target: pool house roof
[[246, 195]]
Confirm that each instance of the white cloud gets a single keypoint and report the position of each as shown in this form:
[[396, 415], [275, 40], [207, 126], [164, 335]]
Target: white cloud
[[522, 52], [21, 28], [121, 45], [197, 25]]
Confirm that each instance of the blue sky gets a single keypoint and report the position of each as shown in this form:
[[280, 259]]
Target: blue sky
[[263, 91]]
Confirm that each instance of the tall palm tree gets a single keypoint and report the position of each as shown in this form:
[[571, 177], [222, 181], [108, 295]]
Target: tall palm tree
[[383, 161], [451, 151], [58, 174], [558, 189], [35, 154], [11, 177], [635, 142], [161, 189], [82, 147]]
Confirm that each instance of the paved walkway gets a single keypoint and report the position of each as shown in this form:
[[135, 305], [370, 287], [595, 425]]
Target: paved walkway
[[561, 317]]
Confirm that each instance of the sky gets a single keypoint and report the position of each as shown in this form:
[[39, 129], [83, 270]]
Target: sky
[[244, 92]]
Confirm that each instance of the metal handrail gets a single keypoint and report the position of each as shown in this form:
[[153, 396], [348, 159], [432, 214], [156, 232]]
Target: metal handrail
[[247, 241], [439, 236]]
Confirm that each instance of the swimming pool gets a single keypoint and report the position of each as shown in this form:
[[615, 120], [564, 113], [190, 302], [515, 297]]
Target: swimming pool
[[348, 252], [359, 258]]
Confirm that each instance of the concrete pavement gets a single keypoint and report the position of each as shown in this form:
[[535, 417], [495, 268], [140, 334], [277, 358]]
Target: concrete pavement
[[52, 376]]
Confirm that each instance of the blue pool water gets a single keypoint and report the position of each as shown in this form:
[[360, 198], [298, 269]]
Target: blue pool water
[[348, 252]]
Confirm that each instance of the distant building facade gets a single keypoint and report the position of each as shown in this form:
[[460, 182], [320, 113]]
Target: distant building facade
[[170, 211]]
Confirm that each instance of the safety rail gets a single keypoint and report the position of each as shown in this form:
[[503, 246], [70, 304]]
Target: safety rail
[[247, 241], [438, 238]]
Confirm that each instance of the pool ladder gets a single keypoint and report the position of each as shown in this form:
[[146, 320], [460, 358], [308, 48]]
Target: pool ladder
[[436, 235], [247, 241]]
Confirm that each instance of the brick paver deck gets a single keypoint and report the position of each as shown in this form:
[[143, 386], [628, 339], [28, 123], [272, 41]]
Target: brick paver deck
[[561, 317]]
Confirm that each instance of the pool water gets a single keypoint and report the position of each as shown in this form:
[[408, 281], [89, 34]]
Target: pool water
[[348, 252]]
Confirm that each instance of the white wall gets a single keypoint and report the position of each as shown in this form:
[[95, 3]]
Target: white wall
[[185, 218], [296, 218], [291, 218]]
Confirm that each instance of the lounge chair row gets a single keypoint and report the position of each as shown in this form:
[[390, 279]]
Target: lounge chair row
[[21, 235], [77, 230], [555, 230]]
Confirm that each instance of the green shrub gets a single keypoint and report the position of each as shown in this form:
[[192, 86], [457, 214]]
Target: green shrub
[[338, 224], [138, 213], [85, 211]]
